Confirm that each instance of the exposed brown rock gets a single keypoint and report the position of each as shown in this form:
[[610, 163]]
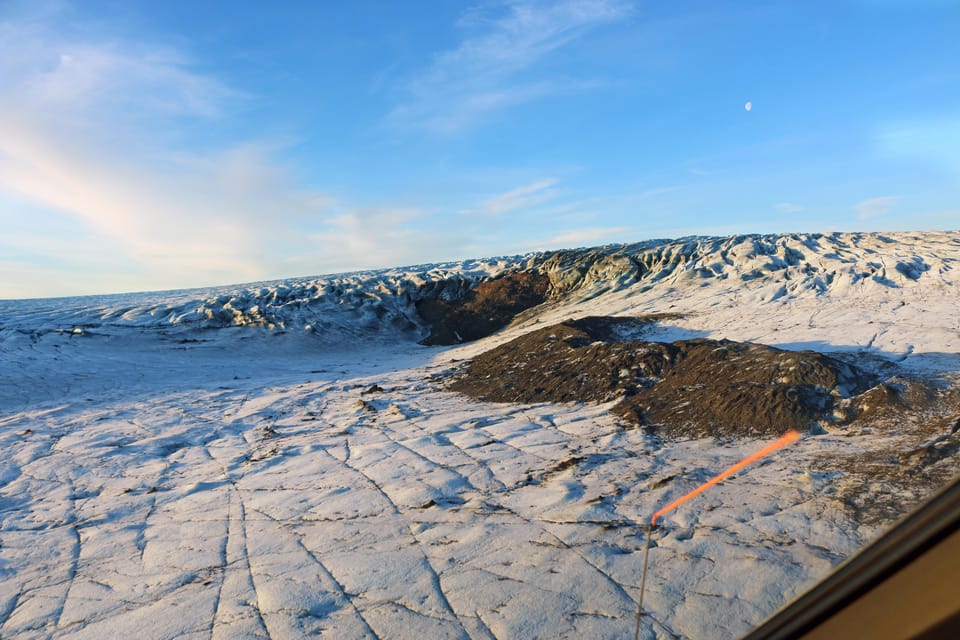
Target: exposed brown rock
[[880, 485], [730, 389], [893, 399], [488, 307], [569, 362], [688, 388]]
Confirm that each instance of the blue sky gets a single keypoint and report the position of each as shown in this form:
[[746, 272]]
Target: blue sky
[[154, 145]]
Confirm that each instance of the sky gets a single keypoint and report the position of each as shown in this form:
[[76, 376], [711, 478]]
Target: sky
[[165, 145]]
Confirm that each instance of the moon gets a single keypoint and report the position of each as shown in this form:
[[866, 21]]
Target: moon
[[748, 106]]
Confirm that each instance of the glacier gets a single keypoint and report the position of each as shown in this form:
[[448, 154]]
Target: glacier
[[284, 459]]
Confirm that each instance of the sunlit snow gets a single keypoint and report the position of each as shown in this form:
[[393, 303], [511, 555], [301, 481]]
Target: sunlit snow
[[282, 460]]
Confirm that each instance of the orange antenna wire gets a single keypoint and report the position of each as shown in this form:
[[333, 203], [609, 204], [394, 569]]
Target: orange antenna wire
[[787, 438]]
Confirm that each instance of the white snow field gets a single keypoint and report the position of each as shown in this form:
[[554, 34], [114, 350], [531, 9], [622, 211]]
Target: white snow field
[[219, 464]]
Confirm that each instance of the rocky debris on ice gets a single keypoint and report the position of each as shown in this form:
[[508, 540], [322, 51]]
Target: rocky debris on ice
[[487, 308], [283, 459], [686, 388]]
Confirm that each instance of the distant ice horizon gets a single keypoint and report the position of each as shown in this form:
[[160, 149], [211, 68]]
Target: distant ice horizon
[[140, 153]]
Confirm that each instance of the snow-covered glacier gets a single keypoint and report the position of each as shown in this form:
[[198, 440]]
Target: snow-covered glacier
[[285, 459]]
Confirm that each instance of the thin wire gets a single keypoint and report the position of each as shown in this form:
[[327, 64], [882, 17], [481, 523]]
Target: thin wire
[[643, 582], [782, 441], [787, 438]]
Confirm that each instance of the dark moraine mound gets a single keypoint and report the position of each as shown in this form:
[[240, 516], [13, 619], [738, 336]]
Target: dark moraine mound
[[688, 388], [487, 308]]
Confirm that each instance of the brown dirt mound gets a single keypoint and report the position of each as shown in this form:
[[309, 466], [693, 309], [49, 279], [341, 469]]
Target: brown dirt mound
[[689, 388], [569, 362], [882, 484], [894, 399], [487, 308], [723, 388]]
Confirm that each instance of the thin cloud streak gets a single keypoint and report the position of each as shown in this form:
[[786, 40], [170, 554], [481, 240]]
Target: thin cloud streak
[[523, 197], [86, 130], [382, 237], [484, 74], [934, 141], [219, 215], [873, 207], [77, 79], [584, 237], [789, 207]]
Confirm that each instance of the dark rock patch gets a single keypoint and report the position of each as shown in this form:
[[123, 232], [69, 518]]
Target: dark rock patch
[[894, 399], [486, 308], [688, 388], [562, 363], [722, 388], [879, 486]]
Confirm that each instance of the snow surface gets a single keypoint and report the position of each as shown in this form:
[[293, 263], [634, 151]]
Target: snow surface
[[217, 464]]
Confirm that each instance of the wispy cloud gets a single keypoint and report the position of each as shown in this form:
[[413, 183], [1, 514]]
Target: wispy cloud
[[98, 130], [704, 173], [789, 207], [586, 236], [48, 67], [379, 237], [874, 207], [487, 71], [523, 197], [369, 236], [934, 141]]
